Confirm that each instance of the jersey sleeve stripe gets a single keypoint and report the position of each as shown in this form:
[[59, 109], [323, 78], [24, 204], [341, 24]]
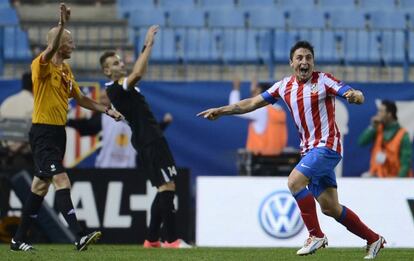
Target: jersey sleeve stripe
[[343, 90], [268, 97]]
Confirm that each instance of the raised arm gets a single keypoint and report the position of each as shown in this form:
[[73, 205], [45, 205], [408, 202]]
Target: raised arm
[[243, 106], [141, 64], [54, 35]]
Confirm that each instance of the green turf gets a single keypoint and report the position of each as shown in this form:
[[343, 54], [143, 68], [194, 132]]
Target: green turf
[[131, 252]]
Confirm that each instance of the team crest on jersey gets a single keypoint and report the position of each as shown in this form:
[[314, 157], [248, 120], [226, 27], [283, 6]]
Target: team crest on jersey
[[314, 88]]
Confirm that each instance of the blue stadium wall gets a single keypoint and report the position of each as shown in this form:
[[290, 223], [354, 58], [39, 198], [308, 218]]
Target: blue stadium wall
[[209, 148]]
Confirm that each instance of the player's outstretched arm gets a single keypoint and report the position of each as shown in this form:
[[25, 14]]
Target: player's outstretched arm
[[141, 64], [354, 96], [241, 107], [54, 36], [90, 104]]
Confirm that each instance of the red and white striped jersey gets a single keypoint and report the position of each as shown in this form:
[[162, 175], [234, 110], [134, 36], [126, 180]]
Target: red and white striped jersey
[[312, 105]]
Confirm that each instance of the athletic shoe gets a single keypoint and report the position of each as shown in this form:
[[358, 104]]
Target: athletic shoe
[[374, 248], [83, 243], [149, 244], [312, 244], [20, 246], [179, 243]]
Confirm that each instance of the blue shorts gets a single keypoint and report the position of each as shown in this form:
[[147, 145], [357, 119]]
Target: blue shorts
[[318, 166]]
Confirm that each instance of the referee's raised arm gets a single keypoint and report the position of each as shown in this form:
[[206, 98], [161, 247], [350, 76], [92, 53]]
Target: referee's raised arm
[[55, 34]]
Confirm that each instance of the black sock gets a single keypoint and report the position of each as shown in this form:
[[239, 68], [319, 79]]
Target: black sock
[[65, 206], [29, 214], [156, 219], [168, 214]]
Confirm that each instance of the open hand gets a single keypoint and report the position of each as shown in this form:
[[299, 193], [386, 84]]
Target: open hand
[[64, 14], [149, 38]]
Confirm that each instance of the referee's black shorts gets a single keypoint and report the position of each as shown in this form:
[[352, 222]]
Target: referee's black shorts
[[48, 143], [157, 162]]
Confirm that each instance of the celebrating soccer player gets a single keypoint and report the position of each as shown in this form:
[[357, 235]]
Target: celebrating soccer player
[[154, 154], [310, 97]]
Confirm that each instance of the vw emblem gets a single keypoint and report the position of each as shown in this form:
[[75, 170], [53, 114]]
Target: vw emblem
[[279, 216]]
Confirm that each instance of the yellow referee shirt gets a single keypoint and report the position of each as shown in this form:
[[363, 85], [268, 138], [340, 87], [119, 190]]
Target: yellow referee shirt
[[52, 87]]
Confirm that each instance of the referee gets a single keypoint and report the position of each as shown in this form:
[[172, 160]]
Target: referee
[[53, 85]]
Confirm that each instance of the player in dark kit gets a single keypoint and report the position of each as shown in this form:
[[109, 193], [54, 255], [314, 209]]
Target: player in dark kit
[[147, 138]]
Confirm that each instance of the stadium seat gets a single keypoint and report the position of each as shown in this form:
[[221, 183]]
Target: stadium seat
[[187, 17], [8, 16], [177, 3], [256, 3], [266, 17], [200, 46], [305, 4], [227, 17], [363, 46], [305, 18], [335, 4], [411, 47], [388, 19], [240, 46], [133, 4], [16, 44], [376, 4], [284, 40], [147, 17], [4, 4], [347, 19], [125, 6], [217, 3], [406, 4], [393, 46]]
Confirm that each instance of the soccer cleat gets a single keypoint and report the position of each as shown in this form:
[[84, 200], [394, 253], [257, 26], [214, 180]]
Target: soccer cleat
[[312, 244], [374, 248], [83, 243], [179, 243], [149, 244], [20, 246]]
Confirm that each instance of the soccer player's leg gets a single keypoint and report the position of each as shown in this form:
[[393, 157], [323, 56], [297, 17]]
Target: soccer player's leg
[[305, 173], [163, 177], [64, 204], [40, 139], [29, 214], [330, 206]]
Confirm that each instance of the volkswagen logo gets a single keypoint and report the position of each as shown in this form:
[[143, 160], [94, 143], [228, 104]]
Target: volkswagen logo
[[279, 216]]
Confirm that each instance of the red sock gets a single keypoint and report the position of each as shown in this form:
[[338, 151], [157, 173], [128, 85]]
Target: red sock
[[352, 222], [307, 208]]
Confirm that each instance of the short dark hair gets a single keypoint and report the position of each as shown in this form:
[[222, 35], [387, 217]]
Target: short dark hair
[[391, 108], [104, 56], [301, 44]]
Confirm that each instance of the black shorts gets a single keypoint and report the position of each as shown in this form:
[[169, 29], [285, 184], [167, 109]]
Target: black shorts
[[156, 160], [48, 143]]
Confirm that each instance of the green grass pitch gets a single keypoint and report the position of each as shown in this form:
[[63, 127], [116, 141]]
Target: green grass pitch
[[132, 252]]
